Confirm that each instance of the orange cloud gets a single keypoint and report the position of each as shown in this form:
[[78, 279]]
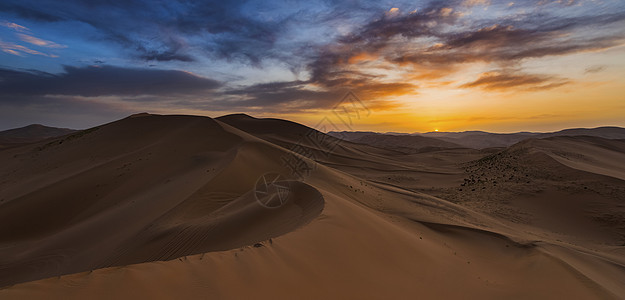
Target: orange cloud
[[501, 80], [39, 42], [361, 57]]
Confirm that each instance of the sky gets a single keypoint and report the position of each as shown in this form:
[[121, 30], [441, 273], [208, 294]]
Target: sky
[[388, 66]]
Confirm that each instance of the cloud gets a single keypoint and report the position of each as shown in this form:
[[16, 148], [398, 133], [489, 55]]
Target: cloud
[[220, 29], [14, 26], [20, 50], [439, 40], [502, 44], [284, 96], [39, 42], [429, 44], [508, 80], [476, 2], [169, 55], [595, 69], [241, 31], [392, 12], [96, 81], [297, 96], [508, 43], [34, 13], [563, 2]]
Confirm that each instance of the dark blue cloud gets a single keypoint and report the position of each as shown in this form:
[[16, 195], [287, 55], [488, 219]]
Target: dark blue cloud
[[96, 81]]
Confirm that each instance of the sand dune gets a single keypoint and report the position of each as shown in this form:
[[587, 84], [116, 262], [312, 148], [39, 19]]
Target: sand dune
[[591, 154], [150, 196], [29, 134], [164, 207]]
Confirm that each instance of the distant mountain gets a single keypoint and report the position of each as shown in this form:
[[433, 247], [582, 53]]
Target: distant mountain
[[405, 143], [352, 135], [481, 139], [29, 134]]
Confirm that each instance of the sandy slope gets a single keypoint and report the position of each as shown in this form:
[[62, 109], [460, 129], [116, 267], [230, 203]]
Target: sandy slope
[[156, 188], [350, 252], [541, 183], [29, 134], [591, 154]]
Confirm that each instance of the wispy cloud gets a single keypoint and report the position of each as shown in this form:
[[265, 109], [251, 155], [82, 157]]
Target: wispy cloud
[[14, 26], [506, 80], [595, 69], [39, 42], [20, 50]]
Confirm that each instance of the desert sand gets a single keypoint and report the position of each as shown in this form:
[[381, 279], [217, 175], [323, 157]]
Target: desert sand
[[165, 207], [29, 134]]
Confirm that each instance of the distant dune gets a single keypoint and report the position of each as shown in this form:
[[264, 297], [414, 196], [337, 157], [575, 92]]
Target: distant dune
[[30, 134], [405, 143], [163, 207], [482, 140]]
